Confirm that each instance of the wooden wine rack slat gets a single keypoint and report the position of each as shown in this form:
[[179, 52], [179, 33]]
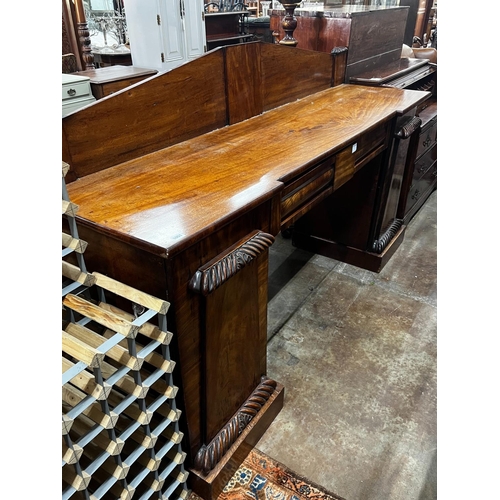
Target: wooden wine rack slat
[[120, 430]]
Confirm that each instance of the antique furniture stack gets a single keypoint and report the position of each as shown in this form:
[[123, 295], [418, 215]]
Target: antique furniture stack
[[184, 180]]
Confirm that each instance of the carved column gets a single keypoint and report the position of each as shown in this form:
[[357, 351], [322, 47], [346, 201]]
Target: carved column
[[84, 36]]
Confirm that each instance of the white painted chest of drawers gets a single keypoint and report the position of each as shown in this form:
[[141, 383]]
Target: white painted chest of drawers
[[76, 93]]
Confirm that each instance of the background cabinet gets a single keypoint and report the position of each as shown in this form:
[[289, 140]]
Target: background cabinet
[[165, 34]]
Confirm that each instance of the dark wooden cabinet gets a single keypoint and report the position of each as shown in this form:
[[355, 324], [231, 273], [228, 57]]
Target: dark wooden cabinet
[[226, 28], [372, 34], [421, 177]]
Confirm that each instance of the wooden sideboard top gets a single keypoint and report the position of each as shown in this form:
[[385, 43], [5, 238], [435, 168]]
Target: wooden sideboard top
[[115, 73], [391, 71], [169, 199], [342, 11]]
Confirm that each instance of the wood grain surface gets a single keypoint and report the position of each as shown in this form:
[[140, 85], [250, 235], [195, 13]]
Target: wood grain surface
[[174, 194]]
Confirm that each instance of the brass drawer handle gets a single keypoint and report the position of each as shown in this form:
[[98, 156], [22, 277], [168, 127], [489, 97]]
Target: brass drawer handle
[[71, 92]]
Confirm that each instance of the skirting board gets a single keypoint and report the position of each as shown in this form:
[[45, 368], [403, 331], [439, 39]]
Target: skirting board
[[360, 258]]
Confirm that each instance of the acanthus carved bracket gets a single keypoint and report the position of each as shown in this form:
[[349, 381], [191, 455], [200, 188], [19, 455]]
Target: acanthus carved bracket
[[380, 244], [210, 455], [210, 277]]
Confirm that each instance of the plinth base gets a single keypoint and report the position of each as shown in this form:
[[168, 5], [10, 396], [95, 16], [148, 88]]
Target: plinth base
[[210, 486]]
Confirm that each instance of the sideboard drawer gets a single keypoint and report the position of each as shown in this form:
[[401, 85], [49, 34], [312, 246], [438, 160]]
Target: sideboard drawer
[[422, 186], [357, 154], [428, 137], [424, 163], [369, 143], [301, 190], [75, 90]]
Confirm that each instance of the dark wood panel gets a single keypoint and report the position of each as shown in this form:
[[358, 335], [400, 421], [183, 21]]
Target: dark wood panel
[[411, 21], [144, 118], [236, 359], [287, 75], [376, 32], [306, 32], [428, 137], [345, 217], [243, 74], [423, 186], [334, 32]]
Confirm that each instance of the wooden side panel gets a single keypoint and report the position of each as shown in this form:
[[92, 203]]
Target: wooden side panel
[[306, 32], [243, 74], [189, 317], [236, 343], [289, 73], [164, 110], [334, 32], [376, 32]]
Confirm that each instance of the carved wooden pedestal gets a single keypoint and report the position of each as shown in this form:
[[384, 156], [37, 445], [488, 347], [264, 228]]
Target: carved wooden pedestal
[[234, 360]]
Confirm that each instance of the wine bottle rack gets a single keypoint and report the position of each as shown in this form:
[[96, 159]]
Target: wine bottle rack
[[120, 430]]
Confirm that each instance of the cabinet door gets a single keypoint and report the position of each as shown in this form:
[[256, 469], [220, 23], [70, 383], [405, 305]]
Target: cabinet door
[[173, 30], [165, 33], [195, 28], [145, 33]]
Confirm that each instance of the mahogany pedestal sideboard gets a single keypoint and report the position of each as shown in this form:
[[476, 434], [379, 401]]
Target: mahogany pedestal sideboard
[[185, 202], [109, 79]]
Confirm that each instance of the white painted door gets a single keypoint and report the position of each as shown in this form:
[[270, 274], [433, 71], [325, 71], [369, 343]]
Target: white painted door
[[164, 34]]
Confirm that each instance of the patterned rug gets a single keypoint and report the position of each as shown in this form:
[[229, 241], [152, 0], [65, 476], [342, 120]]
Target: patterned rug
[[263, 478]]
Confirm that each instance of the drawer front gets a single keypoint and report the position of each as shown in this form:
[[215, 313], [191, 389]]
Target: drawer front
[[354, 156], [307, 186], [428, 137], [75, 89], [421, 187], [424, 163], [112, 87], [74, 105]]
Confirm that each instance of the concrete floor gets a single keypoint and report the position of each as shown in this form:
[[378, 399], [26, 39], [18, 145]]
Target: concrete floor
[[356, 352]]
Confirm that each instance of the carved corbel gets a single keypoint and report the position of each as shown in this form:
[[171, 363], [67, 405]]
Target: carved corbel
[[210, 277], [209, 455]]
